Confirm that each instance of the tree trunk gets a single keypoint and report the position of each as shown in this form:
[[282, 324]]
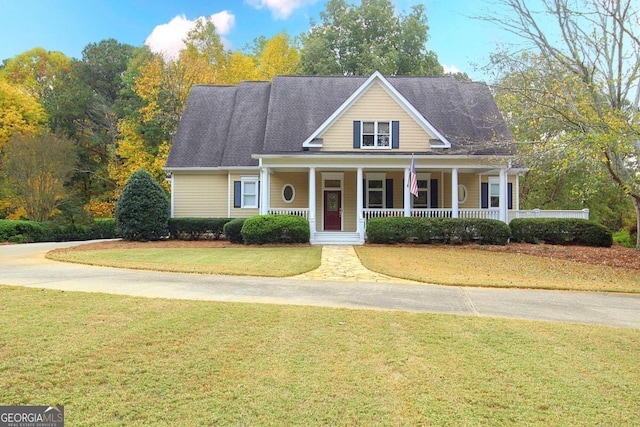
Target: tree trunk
[[636, 203]]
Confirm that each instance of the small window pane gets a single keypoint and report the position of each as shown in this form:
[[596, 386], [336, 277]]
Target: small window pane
[[383, 140], [250, 200], [332, 183], [375, 184], [367, 140], [383, 128], [375, 199], [288, 193], [368, 127], [462, 193], [250, 187], [421, 200]]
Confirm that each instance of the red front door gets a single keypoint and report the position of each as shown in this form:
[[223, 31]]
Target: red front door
[[332, 210]]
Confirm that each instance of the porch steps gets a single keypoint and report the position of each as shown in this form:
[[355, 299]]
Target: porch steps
[[336, 238]]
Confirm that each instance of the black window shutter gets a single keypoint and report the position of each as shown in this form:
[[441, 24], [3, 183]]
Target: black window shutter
[[395, 134], [389, 194], [509, 196], [356, 134], [484, 195], [237, 194], [364, 193], [433, 187]]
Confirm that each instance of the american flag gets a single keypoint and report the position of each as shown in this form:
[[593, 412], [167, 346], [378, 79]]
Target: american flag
[[414, 179]]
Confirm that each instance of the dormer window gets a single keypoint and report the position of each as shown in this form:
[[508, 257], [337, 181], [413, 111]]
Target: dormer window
[[376, 135]]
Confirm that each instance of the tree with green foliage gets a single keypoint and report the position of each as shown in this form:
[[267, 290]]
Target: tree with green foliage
[[35, 169], [561, 174], [37, 71], [358, 40], [142, 211], [591, 48]]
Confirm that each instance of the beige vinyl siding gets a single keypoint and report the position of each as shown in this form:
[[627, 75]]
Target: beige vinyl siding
[[349, 202], [300, 183], [473, 190], [200, 195], [375, 104], [471, 182]]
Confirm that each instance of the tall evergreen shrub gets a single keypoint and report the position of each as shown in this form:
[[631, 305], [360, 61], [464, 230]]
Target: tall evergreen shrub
[[142, 212]]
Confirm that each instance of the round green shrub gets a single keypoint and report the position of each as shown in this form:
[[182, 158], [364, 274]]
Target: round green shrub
[[264, 229], [142, 211], [233, 230]]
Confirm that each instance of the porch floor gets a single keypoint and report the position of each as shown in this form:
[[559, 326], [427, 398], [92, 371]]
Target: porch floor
[[341, 263]]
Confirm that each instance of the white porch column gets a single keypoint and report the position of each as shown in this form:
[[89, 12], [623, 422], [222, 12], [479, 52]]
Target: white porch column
[[360, 227], [312, 204], [407, 192], [516, 206], [264, 191], [503, 195], [454, 193]]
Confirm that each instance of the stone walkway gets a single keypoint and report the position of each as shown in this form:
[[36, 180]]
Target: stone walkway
[[340, 262]]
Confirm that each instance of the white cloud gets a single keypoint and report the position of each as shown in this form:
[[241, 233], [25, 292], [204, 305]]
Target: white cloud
[[168, 39], [280, 9], [450, 69]]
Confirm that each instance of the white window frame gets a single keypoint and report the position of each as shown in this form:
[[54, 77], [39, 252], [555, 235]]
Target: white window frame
[[465, 193], [426, 177], [293, 193], [494, 182], [382, 177], [376, 135], [244, 193]]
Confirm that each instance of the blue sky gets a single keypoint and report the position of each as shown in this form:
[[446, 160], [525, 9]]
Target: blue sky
[[462, 43]]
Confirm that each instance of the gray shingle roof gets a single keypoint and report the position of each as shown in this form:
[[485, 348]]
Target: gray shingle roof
[[224, 125]]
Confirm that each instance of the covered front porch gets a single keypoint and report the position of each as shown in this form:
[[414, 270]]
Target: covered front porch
[[338, 200]]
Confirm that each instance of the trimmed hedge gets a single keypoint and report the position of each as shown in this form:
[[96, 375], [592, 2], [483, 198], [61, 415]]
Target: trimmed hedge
[[197, 228], [233, 230], [555, 231], [18, 231], [263, 229], [32, 231], [437, 230]]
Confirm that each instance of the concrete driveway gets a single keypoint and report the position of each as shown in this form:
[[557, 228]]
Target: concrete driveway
[[26, 265]]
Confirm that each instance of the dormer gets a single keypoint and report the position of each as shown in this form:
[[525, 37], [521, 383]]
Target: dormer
[[372, 118]]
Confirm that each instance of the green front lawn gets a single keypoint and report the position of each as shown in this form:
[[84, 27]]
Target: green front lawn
[[241, 260], [113, 360], [429, 264]]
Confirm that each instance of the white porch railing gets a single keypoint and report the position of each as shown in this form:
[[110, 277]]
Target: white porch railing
[[476, 213], [448, 213], [539, 213], [303, 212], [381, 213]]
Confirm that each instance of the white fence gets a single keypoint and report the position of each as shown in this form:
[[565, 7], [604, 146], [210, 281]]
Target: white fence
[[303, 212], [476, 213], [448, 213]]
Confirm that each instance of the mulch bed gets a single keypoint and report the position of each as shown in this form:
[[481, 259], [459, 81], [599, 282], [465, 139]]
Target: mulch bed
[[615, 256]]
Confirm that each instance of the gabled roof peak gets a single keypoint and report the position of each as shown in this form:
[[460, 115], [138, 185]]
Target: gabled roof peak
[[397, 97]]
